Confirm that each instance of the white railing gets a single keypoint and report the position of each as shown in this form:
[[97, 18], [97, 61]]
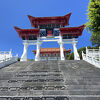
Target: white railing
[[93, 52], [6, 58], [92, 56]]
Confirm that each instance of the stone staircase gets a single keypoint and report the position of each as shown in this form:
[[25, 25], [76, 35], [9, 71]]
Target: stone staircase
[[50, 80]]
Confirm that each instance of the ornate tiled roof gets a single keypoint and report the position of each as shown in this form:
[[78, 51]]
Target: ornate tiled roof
[[51, 50]]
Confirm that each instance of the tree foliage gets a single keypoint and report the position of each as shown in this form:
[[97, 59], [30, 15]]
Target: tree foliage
[[70, 56], [18, 59], [93, 25]]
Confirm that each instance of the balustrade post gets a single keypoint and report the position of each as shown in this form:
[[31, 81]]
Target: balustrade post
[[99, 53], [82, 55], [10, 53], [86, 50]]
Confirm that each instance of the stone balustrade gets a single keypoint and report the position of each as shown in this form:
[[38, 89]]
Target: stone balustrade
[[6, 58], [92, 56]]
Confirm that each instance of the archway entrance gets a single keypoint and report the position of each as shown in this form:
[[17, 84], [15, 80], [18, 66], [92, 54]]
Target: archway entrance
[[48, 29]]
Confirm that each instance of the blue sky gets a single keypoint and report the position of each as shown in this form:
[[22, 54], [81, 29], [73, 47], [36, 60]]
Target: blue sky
[[14, 13]]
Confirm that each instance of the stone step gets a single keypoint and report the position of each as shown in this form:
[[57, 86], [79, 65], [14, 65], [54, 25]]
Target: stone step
[[81, 79], [83, 87]]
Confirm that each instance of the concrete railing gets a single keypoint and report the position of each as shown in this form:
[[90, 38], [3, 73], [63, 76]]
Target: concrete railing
[[6, 58], [5, 54], [92, 56]]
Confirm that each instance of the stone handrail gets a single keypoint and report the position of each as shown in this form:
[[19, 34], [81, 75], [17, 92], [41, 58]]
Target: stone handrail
[[93, 58], [6, 58], [8, 61], [5, 54], [92, 50]]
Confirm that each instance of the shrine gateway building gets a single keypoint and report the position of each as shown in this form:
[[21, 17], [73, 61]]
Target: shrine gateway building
[[48, 29]]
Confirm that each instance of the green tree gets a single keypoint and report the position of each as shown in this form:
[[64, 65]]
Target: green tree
[[18, 59], [69, 56], [80, 51], [93, 25]]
